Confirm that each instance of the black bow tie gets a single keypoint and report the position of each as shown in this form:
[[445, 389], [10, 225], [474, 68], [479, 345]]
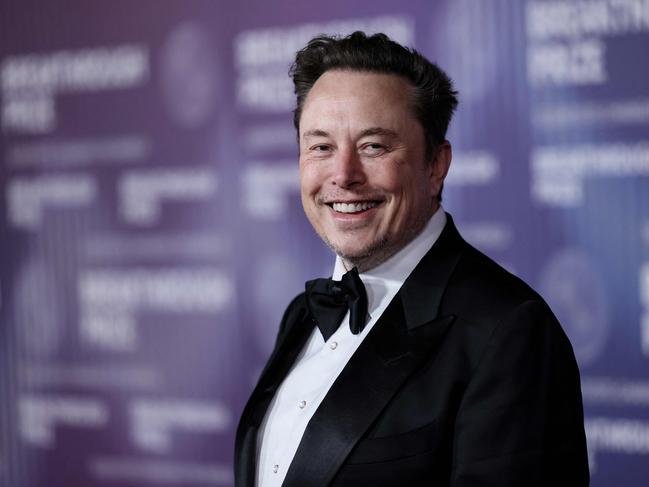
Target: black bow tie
[[329, 300]]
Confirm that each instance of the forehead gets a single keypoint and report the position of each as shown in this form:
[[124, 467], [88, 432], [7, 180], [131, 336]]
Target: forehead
[[354, 99]]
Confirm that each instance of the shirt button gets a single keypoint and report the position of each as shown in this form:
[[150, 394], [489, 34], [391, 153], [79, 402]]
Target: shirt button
[[302, 404], [275, 468], [333, 345]]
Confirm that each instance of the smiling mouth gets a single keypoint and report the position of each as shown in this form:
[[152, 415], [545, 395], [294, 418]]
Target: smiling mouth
[[356, 207]]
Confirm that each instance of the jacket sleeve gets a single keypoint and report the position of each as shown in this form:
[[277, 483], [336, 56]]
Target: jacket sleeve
[[520, 422]]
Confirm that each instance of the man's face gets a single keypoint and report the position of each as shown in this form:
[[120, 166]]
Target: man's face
[[366, 186]]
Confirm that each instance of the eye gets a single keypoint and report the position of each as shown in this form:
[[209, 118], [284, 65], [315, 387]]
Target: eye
[[373, 149], [320, 148]]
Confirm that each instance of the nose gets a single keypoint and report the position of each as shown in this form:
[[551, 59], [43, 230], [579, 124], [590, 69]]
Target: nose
[[348, 169]]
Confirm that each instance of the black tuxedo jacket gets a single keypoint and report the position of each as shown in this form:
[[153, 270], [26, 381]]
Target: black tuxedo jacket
[[467, 379]]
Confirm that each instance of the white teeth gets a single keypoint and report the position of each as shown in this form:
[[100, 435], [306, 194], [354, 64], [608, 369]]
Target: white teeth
[[353, 207]]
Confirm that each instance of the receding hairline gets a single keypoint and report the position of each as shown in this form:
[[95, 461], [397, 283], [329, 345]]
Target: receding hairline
[[412, 88], [362, 71]]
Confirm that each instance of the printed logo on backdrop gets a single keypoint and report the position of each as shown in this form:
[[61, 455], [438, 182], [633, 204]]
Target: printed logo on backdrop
[[30, 83], [189, 74], [575, 291], [262, 56], [585, 43], [559, 172], [569, 42]]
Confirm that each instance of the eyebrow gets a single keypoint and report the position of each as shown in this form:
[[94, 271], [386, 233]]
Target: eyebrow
[[365, 133], [379, 131], [315, 133]]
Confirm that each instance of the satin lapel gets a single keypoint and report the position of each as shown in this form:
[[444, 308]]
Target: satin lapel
[[406, 334], [279, 363], [284, 355], [386, 358], [424, 289]]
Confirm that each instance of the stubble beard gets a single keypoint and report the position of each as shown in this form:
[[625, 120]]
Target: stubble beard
[[379, 250], [374, 254]]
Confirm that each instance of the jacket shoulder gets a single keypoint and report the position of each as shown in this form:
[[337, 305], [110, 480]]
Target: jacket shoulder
[[482, 289], [294, 312]]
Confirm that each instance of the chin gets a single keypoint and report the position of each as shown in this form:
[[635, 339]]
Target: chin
[[349, 247], [370, 253], [352, 255]]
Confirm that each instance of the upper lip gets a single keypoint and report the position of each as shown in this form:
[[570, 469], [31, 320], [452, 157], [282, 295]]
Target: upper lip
[[353, 201]]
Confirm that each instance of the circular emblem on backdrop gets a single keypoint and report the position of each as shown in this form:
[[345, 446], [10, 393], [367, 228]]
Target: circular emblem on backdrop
[[38, 310], [189, 74], [463, 41], [575, 291]]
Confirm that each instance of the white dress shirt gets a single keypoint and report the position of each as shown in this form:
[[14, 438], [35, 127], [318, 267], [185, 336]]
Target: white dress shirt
[[320, 362]]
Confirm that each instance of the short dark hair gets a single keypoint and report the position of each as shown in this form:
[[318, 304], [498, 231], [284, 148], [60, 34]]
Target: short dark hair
[[434, 98]]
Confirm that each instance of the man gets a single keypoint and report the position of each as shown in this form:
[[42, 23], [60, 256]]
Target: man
[[446, 370]]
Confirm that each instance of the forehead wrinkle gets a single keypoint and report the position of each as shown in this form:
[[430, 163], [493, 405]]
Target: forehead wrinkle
[[368, 132], [329, 124], [334, 108]]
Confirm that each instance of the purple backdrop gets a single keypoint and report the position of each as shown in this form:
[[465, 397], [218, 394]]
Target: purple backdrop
[[152, 232]]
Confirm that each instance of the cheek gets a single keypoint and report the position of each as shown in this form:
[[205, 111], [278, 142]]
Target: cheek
[[388, 176], [409, 195], [307, 182], [311, 178]]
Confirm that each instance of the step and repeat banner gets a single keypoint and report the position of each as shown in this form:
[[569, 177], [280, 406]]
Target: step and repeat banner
[[151, 230]]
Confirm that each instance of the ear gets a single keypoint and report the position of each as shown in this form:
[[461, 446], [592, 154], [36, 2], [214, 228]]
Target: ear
[[439, 166]]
